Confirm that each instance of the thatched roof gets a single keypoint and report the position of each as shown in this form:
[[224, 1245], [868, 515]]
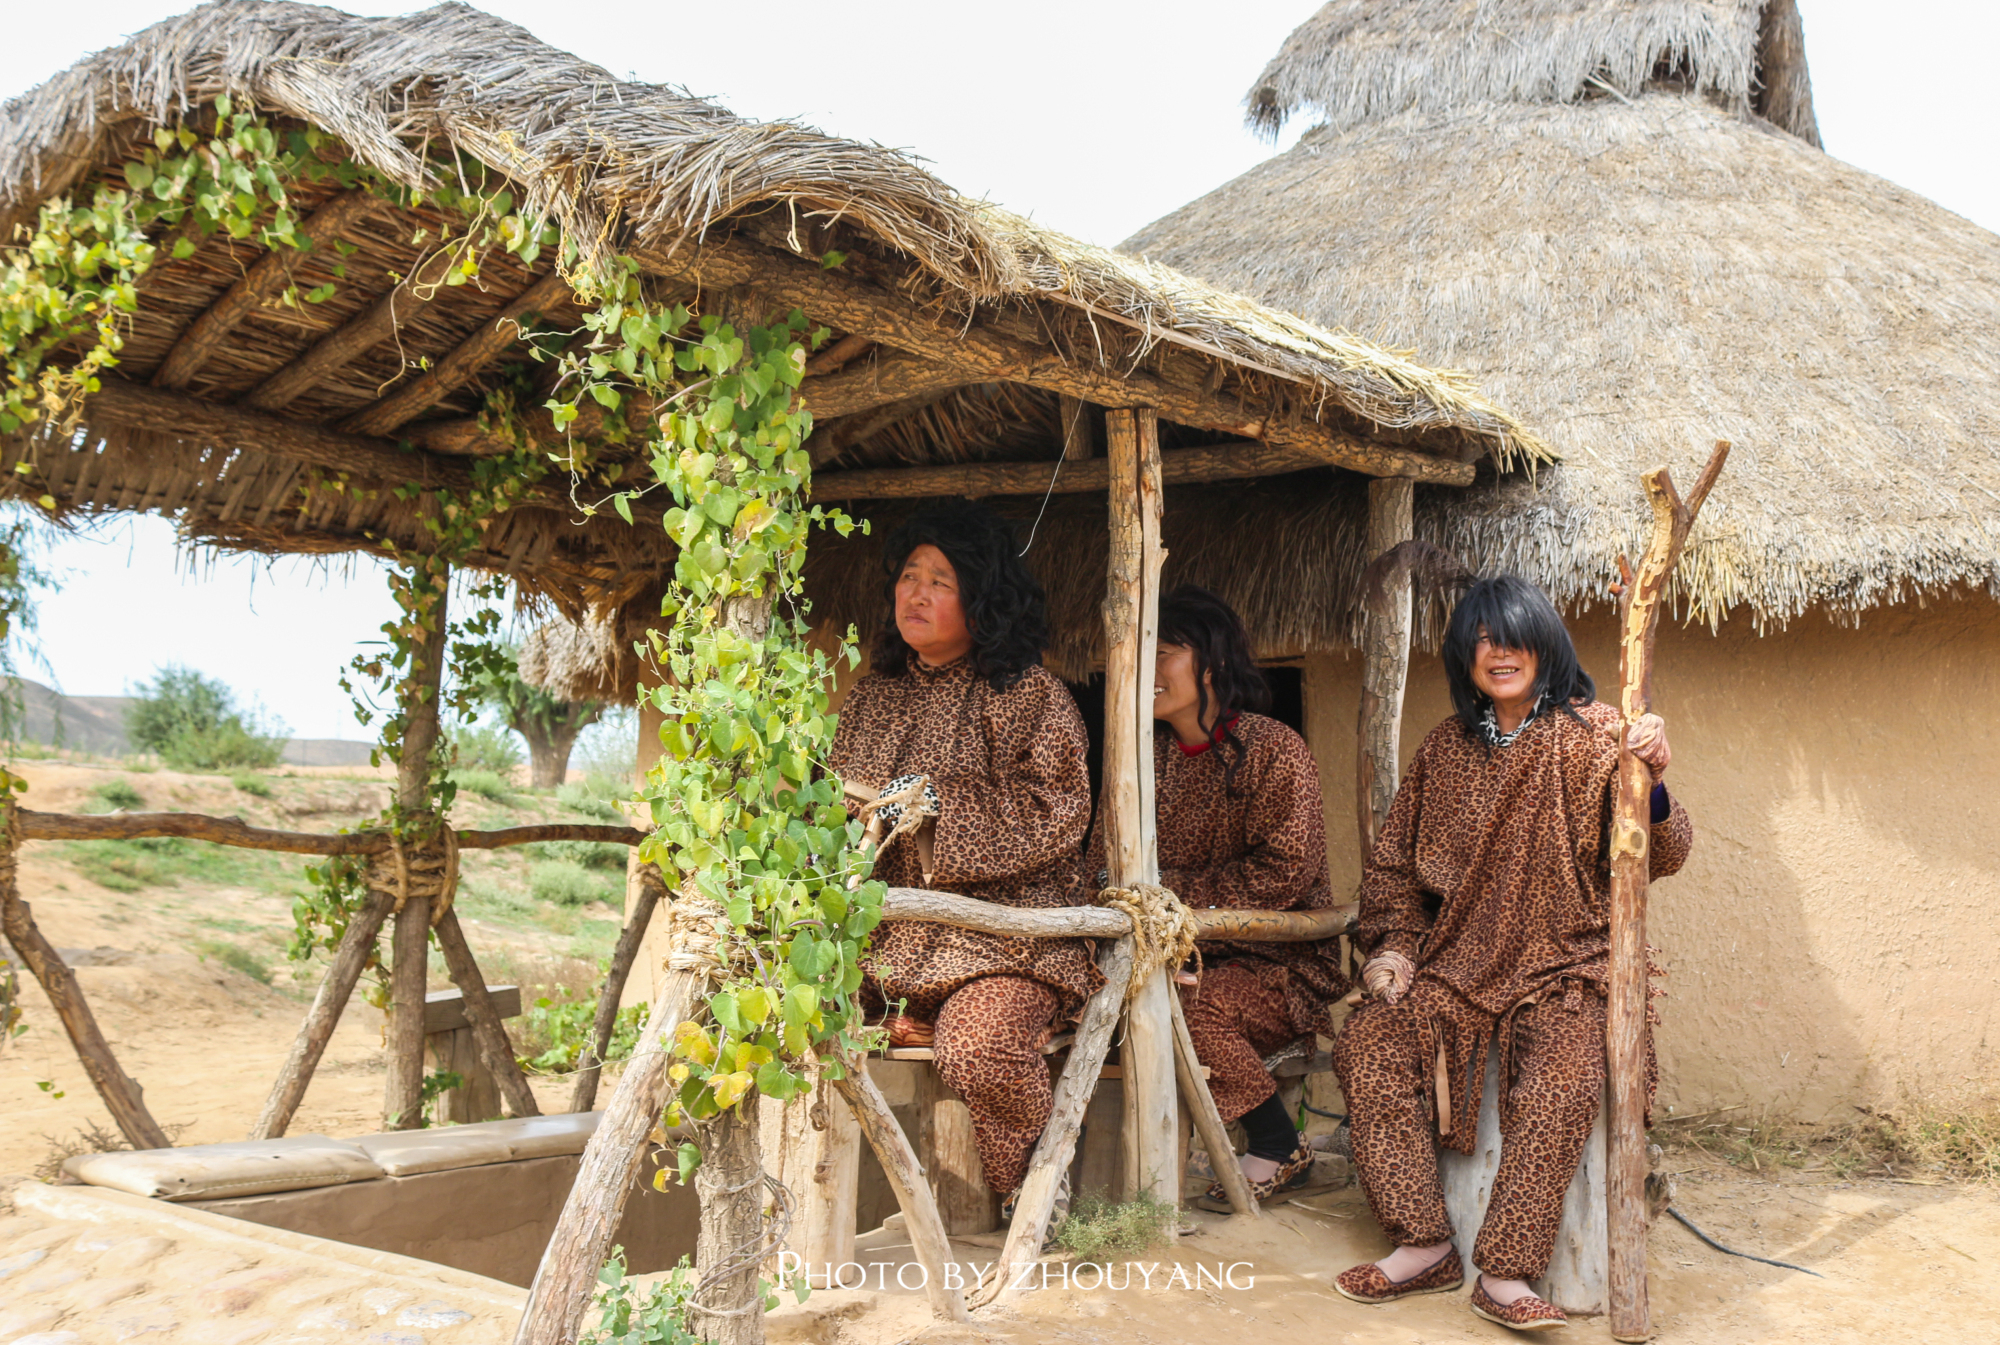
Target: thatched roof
[[1357, 61], [960, 328], [1644, 274]]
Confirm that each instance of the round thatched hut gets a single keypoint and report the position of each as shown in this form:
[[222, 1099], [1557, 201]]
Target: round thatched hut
[[1619, 219]]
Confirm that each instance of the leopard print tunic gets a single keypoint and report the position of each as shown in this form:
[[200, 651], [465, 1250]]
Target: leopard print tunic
[[1010, 772]]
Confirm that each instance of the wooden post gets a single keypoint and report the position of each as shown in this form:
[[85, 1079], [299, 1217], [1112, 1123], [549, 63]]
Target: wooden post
[[1385, 662], [644, 886], [122, 1095], [1079, 435], [944, 1131], [1131, 625], [730, 1186], [409, 968], [1631, 844], [489, 1035], [452, 1046], [822, 1170], [350, 959], [1057, 1145]]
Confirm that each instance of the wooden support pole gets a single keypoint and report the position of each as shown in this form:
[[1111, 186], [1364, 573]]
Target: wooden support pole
[[122, 1095], [350, 959], [1131, 623], [730, 1186], [813, 1146], [590, 1069], [1640, 596], [1079, 433], [1385, 661], [1057, 1145], [906, 1179], [489, 1033], [1207, 1119], [581, 1243], [409, 969]]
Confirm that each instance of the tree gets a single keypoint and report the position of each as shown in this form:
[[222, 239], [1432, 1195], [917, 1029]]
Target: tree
[[193, 722], [549, 725]]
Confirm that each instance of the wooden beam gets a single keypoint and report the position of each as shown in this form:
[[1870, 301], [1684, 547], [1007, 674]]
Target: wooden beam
[[877, 382], [350, 341], [1079, 432], [1385, 662], [1625, 1032], [841, 352], [828, 444], [1238, 460], [268, 277], [463, 364], [988, 356]]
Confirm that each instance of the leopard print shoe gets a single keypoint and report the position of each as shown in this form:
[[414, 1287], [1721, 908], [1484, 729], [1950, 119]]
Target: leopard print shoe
[[1293, 1173], [1523, 1314], [1367, 1283]]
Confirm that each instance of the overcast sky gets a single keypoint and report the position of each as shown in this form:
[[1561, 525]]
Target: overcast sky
[[1094, 117]]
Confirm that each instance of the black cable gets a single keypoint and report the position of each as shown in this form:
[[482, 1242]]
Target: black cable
[[1330, 1115], [1688, 1224]]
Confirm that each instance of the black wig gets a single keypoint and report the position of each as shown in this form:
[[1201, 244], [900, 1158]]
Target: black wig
[[1515, 613], [1195, 618], [1004, 606]]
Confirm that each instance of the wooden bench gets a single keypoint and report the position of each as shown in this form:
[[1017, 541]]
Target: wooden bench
[[448, 1046]]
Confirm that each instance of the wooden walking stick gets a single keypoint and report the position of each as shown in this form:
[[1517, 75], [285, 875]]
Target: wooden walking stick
[[1631, 842]]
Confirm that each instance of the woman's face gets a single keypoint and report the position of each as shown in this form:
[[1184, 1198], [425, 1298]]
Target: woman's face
[[1175, 692], [1507, 676], [929, 614]]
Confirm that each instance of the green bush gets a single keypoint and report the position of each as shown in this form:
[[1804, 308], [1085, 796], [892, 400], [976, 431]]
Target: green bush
[[252, 784], [590, 854], [486, 784], [593, 796], [114, 796], [555, 1032], [1095, 1229], [487, 747], [564, 882], [237, 956], [193, 723]]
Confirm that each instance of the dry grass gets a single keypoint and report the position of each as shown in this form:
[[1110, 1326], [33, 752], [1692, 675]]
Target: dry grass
[[91, 1139], [1917, 1143]]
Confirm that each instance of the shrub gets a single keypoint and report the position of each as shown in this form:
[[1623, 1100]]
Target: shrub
[[114, 796], [593, 796], [234, 955], [1095, 1229], [590, 854], [252, 784], [487, 747], [564, 882], [486, 784], [555, 1032], [193, 723]]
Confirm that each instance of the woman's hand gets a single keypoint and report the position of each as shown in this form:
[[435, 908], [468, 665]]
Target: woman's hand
[[1648, 741], [1388, 976]]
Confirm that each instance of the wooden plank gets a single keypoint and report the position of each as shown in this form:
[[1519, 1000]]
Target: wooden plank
[[965, 1202], [477, 1097], [444, 1010], [121, 1093], [463, 363], [265, 280], [1385, 661], [1631, 846], [1240, 459]]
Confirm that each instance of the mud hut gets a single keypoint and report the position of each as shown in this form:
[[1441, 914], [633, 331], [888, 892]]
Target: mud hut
[[344, 371], [1620, 219]]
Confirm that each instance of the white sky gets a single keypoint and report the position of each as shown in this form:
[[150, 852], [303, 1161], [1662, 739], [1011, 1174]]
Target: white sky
[[1094, 116]]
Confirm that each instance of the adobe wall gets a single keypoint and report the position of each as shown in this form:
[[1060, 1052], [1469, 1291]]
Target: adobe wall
[[1835, 938]]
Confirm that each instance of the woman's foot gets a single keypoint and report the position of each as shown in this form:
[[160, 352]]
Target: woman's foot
[[1513, 1304], [1403, 1273], [1293, 1172]]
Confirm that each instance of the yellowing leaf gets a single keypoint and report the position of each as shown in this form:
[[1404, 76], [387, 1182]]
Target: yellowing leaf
[[730, 1088]]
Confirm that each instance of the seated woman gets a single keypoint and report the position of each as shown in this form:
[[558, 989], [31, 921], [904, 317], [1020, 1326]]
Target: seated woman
[[1484, 911], [1240, 824], [957, 695]]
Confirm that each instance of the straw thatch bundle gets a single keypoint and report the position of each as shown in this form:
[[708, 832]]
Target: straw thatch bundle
[[284, 428], [1643, 272]]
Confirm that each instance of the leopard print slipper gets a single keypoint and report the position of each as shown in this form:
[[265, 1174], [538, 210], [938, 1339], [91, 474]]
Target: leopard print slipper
[[1523, 1314], [1367, 1283], [1294, 1172]]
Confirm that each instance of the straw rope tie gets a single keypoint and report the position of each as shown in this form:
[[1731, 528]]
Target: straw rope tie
[[1163, 930], [701, 939], [429, 869]]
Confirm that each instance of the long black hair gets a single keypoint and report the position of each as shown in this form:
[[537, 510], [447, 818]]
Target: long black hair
[[1514, 612], [1199, 620], [1004, 606]]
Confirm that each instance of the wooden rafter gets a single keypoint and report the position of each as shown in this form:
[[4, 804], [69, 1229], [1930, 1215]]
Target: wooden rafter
[[867, 384], [348, 342], [837, 438], [267, 278], [838, 355], [465, 362]]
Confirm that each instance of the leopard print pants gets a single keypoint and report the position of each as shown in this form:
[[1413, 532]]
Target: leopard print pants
[[1236, 1017], [1558, 1081], [989, 1035]]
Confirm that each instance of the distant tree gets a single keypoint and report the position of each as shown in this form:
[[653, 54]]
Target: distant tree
[[193, 722], [549, 725]]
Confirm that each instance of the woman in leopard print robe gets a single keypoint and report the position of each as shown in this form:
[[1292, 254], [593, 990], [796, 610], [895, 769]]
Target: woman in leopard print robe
[[1484, 915], [1240, 824], [1004, 748]]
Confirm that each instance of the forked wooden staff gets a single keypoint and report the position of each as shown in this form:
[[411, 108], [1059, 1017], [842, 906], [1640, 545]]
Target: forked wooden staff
[[1625, 1030]]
